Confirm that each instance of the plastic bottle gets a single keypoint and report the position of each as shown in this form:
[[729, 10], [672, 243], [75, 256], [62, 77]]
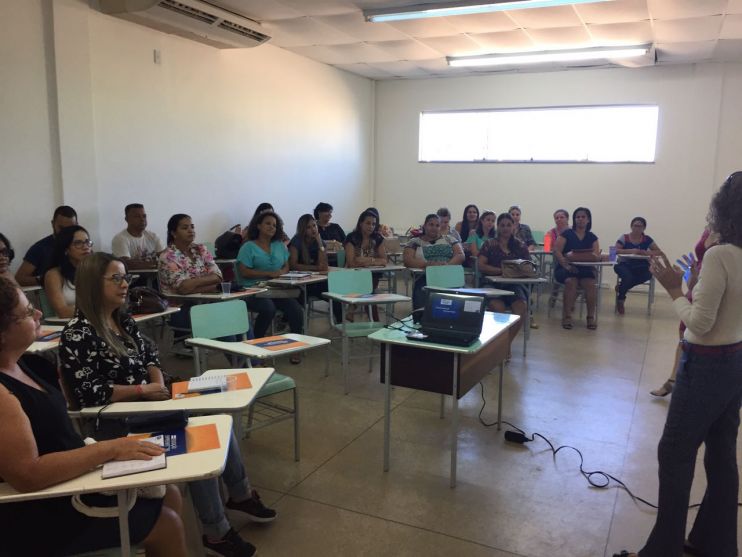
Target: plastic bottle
[[547, 243]]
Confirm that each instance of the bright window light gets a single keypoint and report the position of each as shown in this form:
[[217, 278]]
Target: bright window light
[[586, 134]]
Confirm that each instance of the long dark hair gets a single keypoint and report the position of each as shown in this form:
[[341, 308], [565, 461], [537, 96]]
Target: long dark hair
[[589, 217], [252, 229], [362, 217], [725, 211], [59, 258], [480, 228], [172, 226], [8, 301], [465, 223], [11, 252], [513, 242], [262, 208], [301, 233]]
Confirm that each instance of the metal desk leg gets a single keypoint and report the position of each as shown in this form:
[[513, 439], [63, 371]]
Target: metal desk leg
[[306, 307], [345, 357], [597, 294], [123, 498], [387, 402], [527, 324], [499, 398], [454, 419]]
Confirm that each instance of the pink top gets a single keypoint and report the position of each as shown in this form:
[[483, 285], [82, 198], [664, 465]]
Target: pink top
[[175, 267]]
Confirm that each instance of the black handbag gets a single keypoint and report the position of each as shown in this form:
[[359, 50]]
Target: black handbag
[[157, 421], [143, 299], [227, 246]]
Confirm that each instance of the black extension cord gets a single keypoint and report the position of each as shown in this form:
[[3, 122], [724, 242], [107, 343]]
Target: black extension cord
[[596, 478]]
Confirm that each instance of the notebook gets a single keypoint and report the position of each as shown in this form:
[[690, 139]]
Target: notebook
[[117, 468], [211, 384]]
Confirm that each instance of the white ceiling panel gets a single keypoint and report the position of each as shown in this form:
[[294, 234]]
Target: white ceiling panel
[[482, 23], [507, 41], [259, 10], [321, 7], [676, 9], [407, 50], [729, 51], [354, 24], [365, 70], [433, 27], [732, 27], [401, 69], [545, 18], [688, 30], [734, 7], [617, 11], [324, 54], [459, 45], [686, 52], [305, 31], [621, 33], [566, 37]]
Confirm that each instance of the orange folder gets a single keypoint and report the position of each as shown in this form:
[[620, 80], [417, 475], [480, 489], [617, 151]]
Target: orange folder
[[198, 438], [181, 387], [276, 343]]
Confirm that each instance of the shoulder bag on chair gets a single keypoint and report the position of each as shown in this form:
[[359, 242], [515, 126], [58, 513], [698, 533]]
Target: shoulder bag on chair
[[518, 268]]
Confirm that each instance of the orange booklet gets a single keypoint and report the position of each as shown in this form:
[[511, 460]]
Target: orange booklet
[[198, 438], [276, 343], [180, 389]]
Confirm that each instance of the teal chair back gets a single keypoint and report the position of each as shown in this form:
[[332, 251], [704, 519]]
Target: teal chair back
[[46, 307], [210, 248], [221, 319], [350, 281], [445, 276], [538, 236], [341, 258]]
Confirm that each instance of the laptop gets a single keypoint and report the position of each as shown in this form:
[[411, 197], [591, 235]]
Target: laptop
[[451, 318]]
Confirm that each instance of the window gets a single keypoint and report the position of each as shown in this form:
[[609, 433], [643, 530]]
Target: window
[[584, 134]]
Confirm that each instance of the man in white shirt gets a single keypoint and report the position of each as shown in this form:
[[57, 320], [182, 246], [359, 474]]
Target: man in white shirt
[[137, 245]]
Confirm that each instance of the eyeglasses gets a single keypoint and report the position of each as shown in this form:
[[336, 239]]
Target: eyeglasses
[[30, 311], [7, 252], [82, 243], [118, 279]]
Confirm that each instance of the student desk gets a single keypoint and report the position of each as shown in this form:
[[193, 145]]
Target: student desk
[[441, 368], [138, 318], [240, 348], [301, 283], [181, 468], [206, 297], [390, 272], [529, 283], [43, 346]]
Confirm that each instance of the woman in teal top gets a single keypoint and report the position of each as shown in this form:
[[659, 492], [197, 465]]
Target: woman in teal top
[[263, 257], [484, 231]]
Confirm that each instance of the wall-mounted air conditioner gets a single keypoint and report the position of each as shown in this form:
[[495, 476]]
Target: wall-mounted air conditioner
[[193, 19]]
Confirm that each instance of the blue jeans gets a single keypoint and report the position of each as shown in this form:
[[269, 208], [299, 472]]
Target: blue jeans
[[266, 310], [208, 501], [704, 409], [630, 276]]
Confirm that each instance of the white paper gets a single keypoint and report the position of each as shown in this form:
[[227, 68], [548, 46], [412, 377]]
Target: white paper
[[117, 468], [471, 306]]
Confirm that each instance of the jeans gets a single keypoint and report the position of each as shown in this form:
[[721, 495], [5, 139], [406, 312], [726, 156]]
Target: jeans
[[630, 276], [704, 409], [207, 499], [266, 310]]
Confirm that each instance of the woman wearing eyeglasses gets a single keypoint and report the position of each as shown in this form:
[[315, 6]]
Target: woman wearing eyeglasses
[[71, 246], [6, 258], [105, 359]]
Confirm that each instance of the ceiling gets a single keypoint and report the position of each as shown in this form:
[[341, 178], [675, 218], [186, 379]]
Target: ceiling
[[334, 32]]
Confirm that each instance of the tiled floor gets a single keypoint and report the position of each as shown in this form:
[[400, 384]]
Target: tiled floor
[[588, 389]]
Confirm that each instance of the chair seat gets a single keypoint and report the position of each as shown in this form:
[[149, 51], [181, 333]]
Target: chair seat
[[277, 384], [362, 329]]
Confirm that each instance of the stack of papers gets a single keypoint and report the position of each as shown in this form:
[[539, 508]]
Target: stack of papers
[[201, 384], [117, 468]]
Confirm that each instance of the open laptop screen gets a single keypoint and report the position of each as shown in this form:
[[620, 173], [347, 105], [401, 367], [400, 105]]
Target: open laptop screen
[[457, 314]]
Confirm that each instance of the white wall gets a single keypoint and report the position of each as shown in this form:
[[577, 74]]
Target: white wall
[[207, 132], [698, 108]]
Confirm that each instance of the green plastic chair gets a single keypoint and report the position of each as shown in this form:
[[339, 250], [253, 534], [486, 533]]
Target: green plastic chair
[[230, 318], [538, 236], [445, 276], [351, 281], [341, 258]]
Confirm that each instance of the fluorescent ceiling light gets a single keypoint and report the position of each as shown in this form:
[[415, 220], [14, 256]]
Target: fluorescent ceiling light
[[600, 53], [418, 11]]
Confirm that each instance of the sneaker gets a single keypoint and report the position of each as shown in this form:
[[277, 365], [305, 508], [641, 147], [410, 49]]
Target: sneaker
[[253, 508], [231, 545]]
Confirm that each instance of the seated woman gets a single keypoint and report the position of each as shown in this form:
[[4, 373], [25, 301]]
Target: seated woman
[[6, 258], [633, 271], [504, 247], [41, 448], [105, 359], [522, 231], [427, 250], [331, 233], [264, 256], [484, 231], [71, 246], [561, 223], [577, 244], [468, 222], [364, 247], [262, 208], [307, 253], [445, 216]]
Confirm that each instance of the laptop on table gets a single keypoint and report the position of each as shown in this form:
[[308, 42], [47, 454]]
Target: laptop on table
[[450, 318]]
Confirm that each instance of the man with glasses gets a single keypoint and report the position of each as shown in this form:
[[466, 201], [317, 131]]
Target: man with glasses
[[36, 260], [135, 244]]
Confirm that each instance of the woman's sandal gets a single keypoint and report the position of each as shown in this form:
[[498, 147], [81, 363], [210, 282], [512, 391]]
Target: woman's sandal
[[592, 323], [566, 322], [295, 360], [665, 389]]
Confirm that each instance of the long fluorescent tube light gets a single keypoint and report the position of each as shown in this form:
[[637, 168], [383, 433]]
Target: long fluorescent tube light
[[419, 11], [599, 53]]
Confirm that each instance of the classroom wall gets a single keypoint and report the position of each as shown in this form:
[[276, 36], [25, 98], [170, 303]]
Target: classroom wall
[[207, 132], [700, 136]]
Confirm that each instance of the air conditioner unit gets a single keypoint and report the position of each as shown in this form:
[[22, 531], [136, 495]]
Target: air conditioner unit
[[193, 19]]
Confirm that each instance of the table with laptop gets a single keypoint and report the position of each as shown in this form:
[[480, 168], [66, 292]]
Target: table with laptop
[[457, 344]]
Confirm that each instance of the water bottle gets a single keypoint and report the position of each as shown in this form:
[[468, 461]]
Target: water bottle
[[547, 243], [612, 253]]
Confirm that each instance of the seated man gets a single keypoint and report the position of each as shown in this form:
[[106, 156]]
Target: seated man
[[34, 265], [135, 244]]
